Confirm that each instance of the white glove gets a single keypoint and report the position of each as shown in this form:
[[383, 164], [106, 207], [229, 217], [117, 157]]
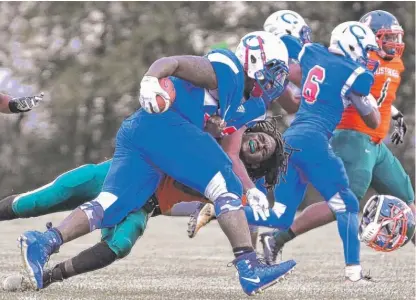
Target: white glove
[[149, 89], [259, 203]]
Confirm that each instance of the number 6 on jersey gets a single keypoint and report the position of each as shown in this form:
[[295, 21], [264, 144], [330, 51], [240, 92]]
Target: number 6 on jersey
[[311, 89]]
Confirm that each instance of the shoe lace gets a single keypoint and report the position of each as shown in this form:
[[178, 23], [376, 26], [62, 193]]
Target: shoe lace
[[249, 266], [49, 226]]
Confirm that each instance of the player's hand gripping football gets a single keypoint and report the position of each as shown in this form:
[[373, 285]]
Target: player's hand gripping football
[[400, 129], [24, 104], [149, 89], [259, 203]]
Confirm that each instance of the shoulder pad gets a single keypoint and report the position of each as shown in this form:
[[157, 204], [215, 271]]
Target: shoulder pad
[[226, 57]]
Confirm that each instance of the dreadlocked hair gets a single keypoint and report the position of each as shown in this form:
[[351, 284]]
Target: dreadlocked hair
[[274, 168]]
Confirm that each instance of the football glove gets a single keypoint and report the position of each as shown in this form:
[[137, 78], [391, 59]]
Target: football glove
[[149, 89], [25, 104], [259, 203], [400, 129]]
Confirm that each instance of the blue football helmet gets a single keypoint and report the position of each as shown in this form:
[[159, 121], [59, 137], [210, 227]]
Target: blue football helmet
[[389, 33]]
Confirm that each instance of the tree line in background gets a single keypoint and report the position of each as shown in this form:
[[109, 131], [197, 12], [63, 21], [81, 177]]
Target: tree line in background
[[89, 57]]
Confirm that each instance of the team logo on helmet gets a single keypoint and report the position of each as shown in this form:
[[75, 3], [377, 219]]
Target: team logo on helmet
[[290, 18], [357, 35], [252, 47]]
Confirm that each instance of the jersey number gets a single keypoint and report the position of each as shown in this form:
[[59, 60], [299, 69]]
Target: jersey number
[[311, 88], [384, 92]]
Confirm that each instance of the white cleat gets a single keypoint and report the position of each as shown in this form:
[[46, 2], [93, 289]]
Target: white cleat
[[354, 275], [200, 217]]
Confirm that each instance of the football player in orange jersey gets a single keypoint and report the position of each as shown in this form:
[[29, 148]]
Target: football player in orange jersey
[[366, 158]]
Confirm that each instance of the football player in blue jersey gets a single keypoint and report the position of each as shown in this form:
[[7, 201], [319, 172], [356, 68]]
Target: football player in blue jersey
[[332, 79], [294, 32], [212, 85], [371, 167], [78, 186]]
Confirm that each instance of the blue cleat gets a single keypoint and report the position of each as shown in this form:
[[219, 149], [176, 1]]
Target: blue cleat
[[36, 248], [256, 276]]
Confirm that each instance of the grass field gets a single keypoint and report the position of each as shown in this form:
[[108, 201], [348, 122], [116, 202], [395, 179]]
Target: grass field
[[166, 264]]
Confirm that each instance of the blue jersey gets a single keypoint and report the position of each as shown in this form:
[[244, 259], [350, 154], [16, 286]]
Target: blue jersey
[[197, 104], [327, 80]]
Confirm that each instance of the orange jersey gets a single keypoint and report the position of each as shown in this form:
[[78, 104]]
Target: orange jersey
[[168, 194], [386, 82]]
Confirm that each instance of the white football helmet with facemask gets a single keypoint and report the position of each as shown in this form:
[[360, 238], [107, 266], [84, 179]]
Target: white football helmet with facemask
[[353, 40], [265, 59], [288, 22]]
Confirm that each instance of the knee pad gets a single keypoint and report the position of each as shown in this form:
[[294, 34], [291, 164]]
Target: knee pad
[[223, 182], [226, 203], [123, 237], [344, 201], [94, 212]]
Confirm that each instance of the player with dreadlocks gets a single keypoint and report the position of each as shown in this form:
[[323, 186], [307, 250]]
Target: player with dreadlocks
[[273, 168], [266, 174], [263, 153]]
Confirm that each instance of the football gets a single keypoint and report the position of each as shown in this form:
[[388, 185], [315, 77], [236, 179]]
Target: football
[[168, 86]]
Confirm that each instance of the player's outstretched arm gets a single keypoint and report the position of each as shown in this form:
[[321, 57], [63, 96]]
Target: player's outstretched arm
[[255, 198], [9, 105], [195, 69], [367, 108]]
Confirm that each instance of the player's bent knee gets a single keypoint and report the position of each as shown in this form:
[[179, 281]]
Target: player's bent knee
[[121, 247], [94, 212], [344, 201], [226, 203], [123, 237], [223, 182], [359, 181]]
